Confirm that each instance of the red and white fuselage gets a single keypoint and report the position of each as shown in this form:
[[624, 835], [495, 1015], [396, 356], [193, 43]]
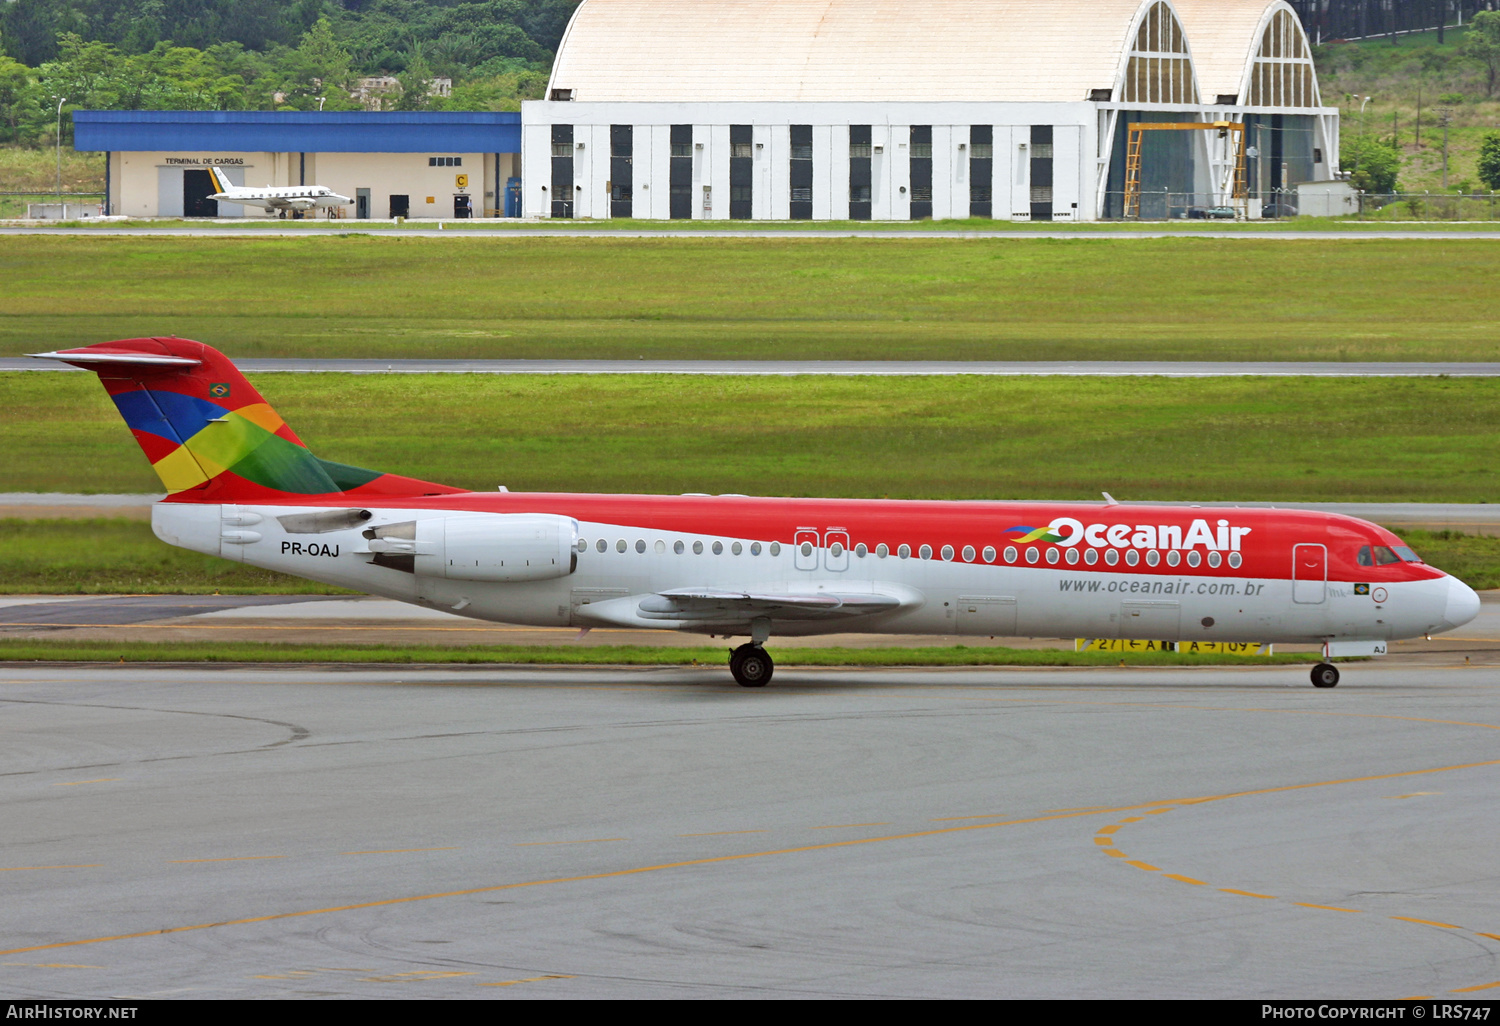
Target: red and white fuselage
[[736, 565]]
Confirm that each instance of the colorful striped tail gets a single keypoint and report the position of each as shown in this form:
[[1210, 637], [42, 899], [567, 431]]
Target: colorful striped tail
[[210, 435]]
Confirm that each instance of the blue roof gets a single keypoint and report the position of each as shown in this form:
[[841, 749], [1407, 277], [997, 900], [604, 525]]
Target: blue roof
[[265, 131]]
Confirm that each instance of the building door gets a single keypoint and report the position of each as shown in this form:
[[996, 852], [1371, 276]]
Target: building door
[[197, 187], [362, 203], [462, 206], [400, 206], [1309, 573]]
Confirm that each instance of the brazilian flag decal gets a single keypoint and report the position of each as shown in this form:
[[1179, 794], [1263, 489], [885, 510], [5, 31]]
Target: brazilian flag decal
[[219, 390]]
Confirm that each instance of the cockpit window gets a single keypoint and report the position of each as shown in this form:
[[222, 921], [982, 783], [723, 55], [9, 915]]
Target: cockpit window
[[1380, 555]]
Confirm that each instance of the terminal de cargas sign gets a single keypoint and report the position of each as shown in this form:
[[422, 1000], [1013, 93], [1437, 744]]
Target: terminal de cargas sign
[[205, 161]]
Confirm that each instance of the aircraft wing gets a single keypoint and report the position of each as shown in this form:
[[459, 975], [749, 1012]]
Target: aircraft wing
[[695, 608]]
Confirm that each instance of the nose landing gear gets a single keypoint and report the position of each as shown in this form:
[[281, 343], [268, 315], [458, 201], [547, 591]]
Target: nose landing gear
[[1325, 675], [751, 665]]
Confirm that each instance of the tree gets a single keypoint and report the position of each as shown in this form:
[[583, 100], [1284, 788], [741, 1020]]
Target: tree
[[1482, 46], [1489, 160], [1372, 164]]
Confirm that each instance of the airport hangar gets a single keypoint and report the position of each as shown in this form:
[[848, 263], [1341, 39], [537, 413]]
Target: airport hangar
[[906, 109], [390, 164]]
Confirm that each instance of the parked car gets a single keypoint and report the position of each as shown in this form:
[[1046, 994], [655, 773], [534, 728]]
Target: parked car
[[1278, 210], [1219, 213]]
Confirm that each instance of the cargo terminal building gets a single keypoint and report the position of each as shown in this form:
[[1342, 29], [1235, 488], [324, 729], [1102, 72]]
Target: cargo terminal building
[[908, 109], [397, 164]]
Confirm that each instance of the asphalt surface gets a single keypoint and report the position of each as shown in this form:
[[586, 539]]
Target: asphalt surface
[[526, 231], [847, 368], [611, 833]]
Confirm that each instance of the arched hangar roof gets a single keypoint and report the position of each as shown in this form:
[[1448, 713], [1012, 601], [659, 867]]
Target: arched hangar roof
[[896, 50]]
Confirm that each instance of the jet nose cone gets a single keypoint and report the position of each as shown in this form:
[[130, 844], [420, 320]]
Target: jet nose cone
[[1462, 606]]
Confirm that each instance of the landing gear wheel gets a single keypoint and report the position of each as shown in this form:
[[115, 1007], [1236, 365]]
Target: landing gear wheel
[[1325, 675], [751, 665]]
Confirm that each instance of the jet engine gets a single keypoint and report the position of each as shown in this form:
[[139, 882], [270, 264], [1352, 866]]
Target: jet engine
[[497, 547]]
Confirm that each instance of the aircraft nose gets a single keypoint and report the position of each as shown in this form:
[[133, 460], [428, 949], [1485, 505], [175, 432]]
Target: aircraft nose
[[1462, 605]]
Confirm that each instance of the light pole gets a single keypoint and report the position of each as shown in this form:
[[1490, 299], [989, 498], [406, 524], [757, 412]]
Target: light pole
[[1362, 114], [61, 100]]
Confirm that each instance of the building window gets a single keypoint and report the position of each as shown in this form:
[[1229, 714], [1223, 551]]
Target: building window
[[1283, 74], [1160, 70], [801, 172], [680, 206], [459, 161], [621, 170], [741, 172], [562, 171], [1041, 172], [981, 170], [921, 172], [860, 177]]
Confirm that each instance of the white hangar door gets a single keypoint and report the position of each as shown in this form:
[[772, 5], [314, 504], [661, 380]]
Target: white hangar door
[[169, 192], [1067, 172]]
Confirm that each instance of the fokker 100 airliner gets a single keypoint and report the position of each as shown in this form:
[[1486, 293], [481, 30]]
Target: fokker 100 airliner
[[242, 485]]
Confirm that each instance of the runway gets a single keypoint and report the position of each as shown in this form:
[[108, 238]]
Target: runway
[[608, 833], [844, 368], [516, 230]]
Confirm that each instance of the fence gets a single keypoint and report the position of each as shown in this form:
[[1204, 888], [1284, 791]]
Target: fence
[[1162, 205]]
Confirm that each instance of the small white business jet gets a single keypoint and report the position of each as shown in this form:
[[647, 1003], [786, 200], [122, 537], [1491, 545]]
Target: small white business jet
[[297, 198]]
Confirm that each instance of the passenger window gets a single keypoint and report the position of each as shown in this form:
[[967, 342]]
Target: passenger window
[[583, 545], [776, 548], [989, 553], [661, 546], [860, 550], [904, 552], [620, 545], [925, 552], [807, 548], [697, 548], [640, 545], [678, 547], [882, 550], [755, 548], [718, 548], [602, 545], [736, 548], [948, 552]]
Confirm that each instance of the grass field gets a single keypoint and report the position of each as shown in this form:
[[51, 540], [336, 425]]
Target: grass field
[[111, 557], [1026, 299], [1272, 439]]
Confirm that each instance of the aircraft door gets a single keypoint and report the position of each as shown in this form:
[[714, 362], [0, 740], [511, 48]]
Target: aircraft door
[[836, 550], [805, 548], [987, 615], [1150, 621], [1309, 573]]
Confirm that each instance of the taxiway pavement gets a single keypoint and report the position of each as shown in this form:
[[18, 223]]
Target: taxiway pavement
[[563, 833]]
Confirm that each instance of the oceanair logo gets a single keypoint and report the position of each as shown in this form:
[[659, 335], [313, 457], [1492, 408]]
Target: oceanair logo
[[1065, 531]]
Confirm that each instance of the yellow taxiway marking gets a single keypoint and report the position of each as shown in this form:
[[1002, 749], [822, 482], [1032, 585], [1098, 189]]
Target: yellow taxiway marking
[[1428, 922], [75, 783], [1104, 841], [1326, 908], [50, 965], [1247, 894], [415, 976], [1115, 853], [1108, 829], [848, 826], [718, 859], [25, 869], [715, 833], [388, 851], [235, 858], [586, 840], [1184, 879], [532, 979], [1482, 986], [1414, 794], [1148, 867], [1491, 936], [1130, 819]]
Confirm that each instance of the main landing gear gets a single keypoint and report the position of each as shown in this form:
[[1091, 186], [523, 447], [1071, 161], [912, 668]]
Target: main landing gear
[[751, 665], [1325, 675]]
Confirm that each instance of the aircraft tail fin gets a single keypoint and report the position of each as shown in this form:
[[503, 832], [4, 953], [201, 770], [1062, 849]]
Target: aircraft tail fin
[[222, 184], [210, 436]]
